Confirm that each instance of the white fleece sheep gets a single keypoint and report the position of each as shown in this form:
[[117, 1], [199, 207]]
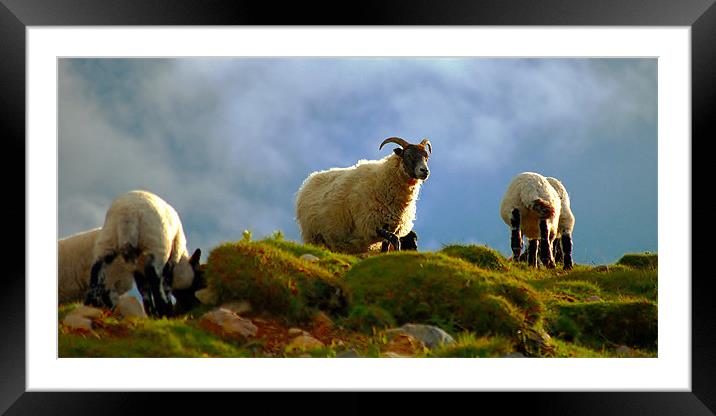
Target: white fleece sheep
[[146, 230], [531, 207], [562, 245], [74, 265], [354, 209]]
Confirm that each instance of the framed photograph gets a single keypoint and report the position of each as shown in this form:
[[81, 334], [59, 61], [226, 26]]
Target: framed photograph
[[233, 120]]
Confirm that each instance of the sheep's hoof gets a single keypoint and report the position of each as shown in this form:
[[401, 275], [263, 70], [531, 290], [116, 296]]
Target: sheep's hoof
[[101, 298]]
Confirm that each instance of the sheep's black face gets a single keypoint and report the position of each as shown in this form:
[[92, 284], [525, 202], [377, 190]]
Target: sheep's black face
[[415, 161]]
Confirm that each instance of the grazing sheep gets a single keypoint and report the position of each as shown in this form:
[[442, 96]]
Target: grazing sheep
[[75, 255], [531, 206], [562, 245], [354, 209], [146, 231]]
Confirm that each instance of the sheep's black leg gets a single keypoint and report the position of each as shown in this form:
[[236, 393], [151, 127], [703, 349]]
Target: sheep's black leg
[[409, 241], [168, 276], [516, 239], [557, 250], [156, 287], [98, 294], [391, 237], [567, 248], [143, 288], [532, 253], [384, 246], [545, 248]]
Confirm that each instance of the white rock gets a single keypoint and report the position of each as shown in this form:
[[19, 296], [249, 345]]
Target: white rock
[[310, 258], [131, 307], [623, 349], [391, 354], [429, 335], [304, 342], [348, 354], [86, 312], [294, 332], [77, 322], [230, 323], [594, 298]]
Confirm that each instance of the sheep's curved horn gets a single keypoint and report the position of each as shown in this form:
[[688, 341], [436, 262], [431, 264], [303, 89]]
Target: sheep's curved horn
[[396, 140], [426, 142]]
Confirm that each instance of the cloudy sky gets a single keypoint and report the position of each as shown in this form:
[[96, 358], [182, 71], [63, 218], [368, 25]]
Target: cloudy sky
[[228, 142]]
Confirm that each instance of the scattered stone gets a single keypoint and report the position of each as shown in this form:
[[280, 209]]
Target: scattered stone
[[130, 307], [225, 322], [77, 322], [404, 344], [237, 307], [623, 349], [594, 298], [348, 354], [294, 332], [514, 354], [207, 296], [429, 335], [391, 354], [304, 342], [86, 312], [310, 258]]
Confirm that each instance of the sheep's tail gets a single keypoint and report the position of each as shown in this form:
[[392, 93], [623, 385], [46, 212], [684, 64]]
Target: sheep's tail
[[128, 238], [543, 208]]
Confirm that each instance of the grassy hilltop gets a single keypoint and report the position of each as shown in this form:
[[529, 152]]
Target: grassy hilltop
[[489, 305]]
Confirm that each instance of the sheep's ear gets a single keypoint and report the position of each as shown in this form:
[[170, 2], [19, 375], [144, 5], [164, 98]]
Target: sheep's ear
[[398, 151], [194, 260]]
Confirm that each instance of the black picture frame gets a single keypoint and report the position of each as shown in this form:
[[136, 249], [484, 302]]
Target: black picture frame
[[16, 15]]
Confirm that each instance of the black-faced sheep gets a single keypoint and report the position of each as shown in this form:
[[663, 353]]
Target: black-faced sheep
[[531, 206], [562, 245], [147, 231], [75, 256], [354, 209]]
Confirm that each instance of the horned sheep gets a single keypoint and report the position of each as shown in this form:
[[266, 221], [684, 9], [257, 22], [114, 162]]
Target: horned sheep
[[146, 231], [355, 209], [531, 207]]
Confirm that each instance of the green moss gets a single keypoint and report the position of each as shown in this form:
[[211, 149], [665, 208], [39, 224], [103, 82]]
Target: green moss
[[335, 263], [617, 283], [480, 256], [467, 345], [273, 280], [640, 261], [147, 338], [439, 290], [366, 318], [600, 324]]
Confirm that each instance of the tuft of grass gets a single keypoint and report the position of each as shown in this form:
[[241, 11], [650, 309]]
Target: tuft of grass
[[146, 338], [604, 324], [467, 345], [480, 256], [273, 280], [440, 290], [648, 261], [335, 263]]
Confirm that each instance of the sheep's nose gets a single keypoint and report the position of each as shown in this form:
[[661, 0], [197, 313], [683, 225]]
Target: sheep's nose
[[424, 170]]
